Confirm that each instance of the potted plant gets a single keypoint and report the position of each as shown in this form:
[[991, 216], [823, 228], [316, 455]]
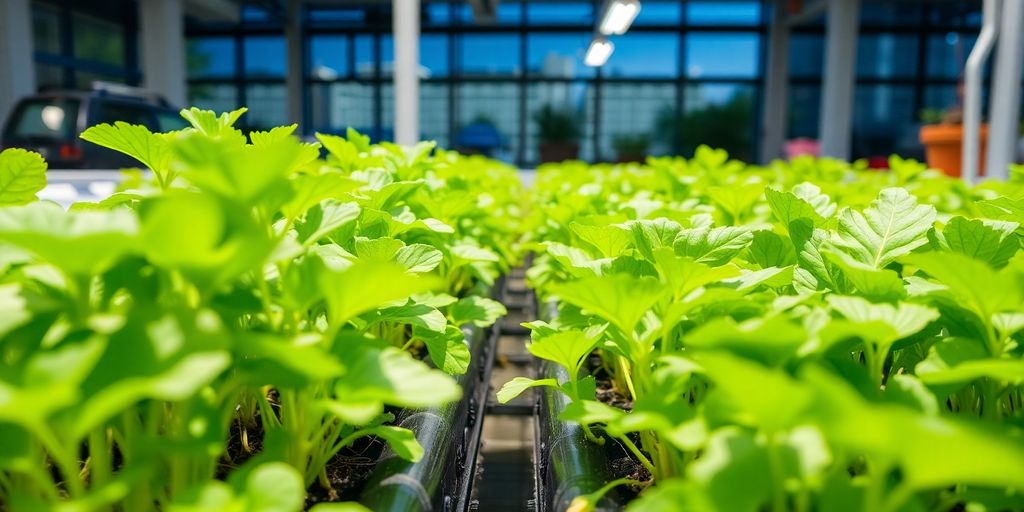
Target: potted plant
[[559, 134], [942, 135], [631, 148]]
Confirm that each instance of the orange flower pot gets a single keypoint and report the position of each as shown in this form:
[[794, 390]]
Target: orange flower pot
[[943, 147]]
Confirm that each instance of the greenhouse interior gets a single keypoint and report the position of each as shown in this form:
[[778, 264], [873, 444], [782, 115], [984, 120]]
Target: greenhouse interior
[[511, 255]]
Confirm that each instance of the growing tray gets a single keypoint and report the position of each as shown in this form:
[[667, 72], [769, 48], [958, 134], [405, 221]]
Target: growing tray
[[566, 464], [450, 436]]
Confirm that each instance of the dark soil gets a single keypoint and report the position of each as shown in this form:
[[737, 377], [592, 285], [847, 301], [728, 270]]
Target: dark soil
[[348, 472]]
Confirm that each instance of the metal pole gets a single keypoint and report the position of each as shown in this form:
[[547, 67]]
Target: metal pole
[[1004, 106], [776, 86], [162, 31], [972, 90], [836, 118], [406, 27], [296, 68]]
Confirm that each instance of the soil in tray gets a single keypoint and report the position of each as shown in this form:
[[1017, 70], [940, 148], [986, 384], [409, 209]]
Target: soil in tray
[[348, 471], [621, 463]]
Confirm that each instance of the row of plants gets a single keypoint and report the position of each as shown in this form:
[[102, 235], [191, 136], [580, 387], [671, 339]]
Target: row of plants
[[804, 336], [221, 332]]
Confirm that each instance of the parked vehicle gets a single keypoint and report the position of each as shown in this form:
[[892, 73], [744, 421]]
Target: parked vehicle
[[50, 123]]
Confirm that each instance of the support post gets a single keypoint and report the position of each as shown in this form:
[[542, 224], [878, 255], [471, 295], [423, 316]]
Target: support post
[[972, 90], [836, 121], [776, 86], [406, 28], [18, 77], [162, 32], [1004, 106], [296, 62]]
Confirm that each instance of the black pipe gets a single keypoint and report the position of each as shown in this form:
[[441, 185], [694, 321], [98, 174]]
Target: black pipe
[[449, 435], [567, 464]]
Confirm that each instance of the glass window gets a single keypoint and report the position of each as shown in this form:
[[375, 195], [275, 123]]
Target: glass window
[[894, 13], [733, 55], [560, 13], [577, 98], [806, 55], [434, 113], [438, 14], [210, 57], [719, 115], [954, 14], [251, 12], [557, 55], [947, 54], [45, 28], [488, 119], [84, 79], [354, 16], [44, 119], [167, 121], [723, 13], [508, 13], [49, 77], [215, 97], [340, 105], [644, 55], [268, 106], [433, 55], [265, 56], [109, 111], [804, 109], [940, 96], [635, 110], [489, 54], [655, 12], [884, 121], [887, 56], [98, 40], [366, 63], [328, 57]]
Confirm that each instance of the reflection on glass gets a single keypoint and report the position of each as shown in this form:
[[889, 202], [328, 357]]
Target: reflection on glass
[[806, 54], [268, 106], [265, 56], [560, 13], [97, 39], [366, 63], [433, 55], [884, 121], [886, 56], [718, 115], [557, 55], [722, 55], [633, 109], [216, 97], [644, 55], [577, 98], [210, 57], [328, 57], [508, 13], [723, 13], [804, 108], [947, 54], [656, 12], [492, 108], [45, 28], [341, 105], [489, 54]]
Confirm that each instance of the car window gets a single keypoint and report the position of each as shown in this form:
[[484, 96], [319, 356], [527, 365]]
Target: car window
[[111, 111], [44, 118], [167, 121]]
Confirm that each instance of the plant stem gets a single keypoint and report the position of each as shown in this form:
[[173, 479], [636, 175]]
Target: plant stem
[[638, 454]]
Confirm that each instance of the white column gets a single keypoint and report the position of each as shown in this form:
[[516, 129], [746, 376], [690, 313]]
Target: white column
[[1004, 107], [17, 66], [836, 122], [776, 86], [162, 36], [972, 90], [293, 82], [406, 27]]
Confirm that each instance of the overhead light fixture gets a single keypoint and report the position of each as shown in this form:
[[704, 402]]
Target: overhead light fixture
[[598, 52], [618, 16]]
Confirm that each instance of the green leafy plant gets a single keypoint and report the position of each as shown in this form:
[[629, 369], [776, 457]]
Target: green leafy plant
[[555, 126], [807, 336], [244, 290]]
